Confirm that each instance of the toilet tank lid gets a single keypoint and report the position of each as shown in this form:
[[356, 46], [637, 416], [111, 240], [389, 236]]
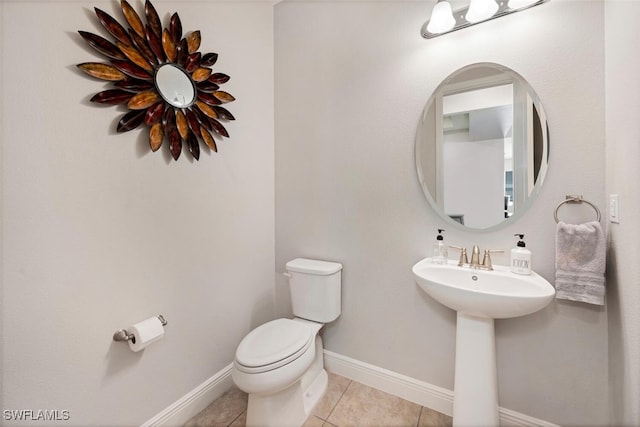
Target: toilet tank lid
[[312, 266]]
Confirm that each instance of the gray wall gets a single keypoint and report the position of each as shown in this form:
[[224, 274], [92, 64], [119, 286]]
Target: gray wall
[[99, 233], [623, 152], [352, 79]]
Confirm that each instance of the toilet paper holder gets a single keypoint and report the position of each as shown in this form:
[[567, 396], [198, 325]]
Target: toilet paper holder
[[123, 335]]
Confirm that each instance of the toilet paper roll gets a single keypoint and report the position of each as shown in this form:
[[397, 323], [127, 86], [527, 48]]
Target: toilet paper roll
[[145, 333]]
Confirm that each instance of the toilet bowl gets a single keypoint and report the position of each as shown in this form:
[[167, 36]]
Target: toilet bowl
[[280, 363]]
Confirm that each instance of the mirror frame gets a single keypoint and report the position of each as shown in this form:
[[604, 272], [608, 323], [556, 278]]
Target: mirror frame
[[135, 56], [544, 125]]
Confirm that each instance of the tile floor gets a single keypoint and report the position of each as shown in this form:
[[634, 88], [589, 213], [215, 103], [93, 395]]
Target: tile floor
[[346, 403]]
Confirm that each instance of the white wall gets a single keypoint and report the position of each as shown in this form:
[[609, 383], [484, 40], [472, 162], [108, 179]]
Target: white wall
[[352, 79], [99, 233], [622, 38]]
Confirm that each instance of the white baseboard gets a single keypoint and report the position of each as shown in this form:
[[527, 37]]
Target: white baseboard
[[420, 392], [424, 394], [195, 401]]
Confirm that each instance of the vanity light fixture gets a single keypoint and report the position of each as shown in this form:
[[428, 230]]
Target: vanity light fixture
[[481, 10], [444, 21]]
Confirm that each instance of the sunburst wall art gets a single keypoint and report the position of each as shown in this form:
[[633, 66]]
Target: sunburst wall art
[[163, 80]]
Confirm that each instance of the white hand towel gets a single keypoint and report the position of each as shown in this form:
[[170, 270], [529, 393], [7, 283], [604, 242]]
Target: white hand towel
[[580, 262]]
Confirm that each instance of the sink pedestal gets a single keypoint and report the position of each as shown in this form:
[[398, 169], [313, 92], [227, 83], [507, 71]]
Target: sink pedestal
[[475, 401]]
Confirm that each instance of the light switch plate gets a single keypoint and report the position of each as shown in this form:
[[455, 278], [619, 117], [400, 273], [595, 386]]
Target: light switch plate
[[614, 209]]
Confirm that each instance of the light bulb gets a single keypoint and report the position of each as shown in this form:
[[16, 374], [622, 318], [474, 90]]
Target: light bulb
[[519, 4], [442, 19], [479, 10]]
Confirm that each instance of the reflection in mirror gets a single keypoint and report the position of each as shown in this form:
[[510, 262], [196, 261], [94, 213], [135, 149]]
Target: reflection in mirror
[[175, 86], [482, 146]]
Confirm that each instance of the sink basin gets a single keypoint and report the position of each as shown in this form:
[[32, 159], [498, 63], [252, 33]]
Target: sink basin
[[497, 294], [479, 297]]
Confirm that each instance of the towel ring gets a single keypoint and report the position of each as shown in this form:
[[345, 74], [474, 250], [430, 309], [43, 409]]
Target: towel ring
[[576, 199]]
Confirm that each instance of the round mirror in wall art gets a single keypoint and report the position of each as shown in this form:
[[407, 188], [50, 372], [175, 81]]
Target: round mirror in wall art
[[482, 147], [175, 86]]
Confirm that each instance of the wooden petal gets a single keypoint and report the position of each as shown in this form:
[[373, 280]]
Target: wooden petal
[[175, 28], [193, 122], [194, 146], [193, 62], [101, 71], [207, 110], [181, 124], [175, 143], [201, 74], [143, 100], [207, 86], [223, 113], [131, 120], [152, 18], [223, 96], [193, 41], [134, 85], [209, 59], [168, 46], [135, 57], [181, 53], [154, 113], [169, 120], [154, 43], [141, 44], [131, 69], [218, 128], [113, 27], [112, 96], [219, 78], [208, 99], [132, 18], [208, 139], [203, 119], [156, 135], [102, 45]]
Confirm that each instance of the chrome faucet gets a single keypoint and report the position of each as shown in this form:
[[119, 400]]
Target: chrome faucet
[[475, 258]]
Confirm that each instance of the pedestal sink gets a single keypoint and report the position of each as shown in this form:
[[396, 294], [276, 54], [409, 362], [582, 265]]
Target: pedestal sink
[[479, 297]]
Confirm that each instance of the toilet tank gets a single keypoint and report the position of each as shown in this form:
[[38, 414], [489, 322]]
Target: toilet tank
[[315, 289]]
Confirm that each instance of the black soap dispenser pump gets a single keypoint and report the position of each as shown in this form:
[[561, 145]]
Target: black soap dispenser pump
[[521, 257], [440, 252]]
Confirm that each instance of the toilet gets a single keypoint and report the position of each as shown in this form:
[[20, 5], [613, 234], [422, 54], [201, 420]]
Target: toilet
[[280, 363]]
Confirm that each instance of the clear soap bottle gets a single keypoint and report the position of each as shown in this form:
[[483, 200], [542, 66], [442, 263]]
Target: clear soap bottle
[[440, 252]]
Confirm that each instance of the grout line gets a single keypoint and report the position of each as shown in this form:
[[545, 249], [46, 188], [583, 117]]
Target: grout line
[[419, 416], [238, 416], [338, 401]]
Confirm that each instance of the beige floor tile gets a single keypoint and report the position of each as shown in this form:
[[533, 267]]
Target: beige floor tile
[[431, 418], [221, 412], [335, 390], [363, 406], [313, 422]]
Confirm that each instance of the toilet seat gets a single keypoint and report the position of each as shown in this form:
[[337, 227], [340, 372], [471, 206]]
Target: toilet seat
[[273, 345]]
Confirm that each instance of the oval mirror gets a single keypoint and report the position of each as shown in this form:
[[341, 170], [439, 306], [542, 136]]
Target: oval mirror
[[175, 86], [482, 147]]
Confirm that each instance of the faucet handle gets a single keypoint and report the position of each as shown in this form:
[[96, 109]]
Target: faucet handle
[[463, 255], [486, 259]]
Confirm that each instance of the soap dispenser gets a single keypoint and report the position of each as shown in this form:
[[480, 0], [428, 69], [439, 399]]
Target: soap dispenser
[[521, 257], [440, 253]]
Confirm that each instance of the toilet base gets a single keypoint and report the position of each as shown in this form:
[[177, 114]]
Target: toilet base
[[292, 406]]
